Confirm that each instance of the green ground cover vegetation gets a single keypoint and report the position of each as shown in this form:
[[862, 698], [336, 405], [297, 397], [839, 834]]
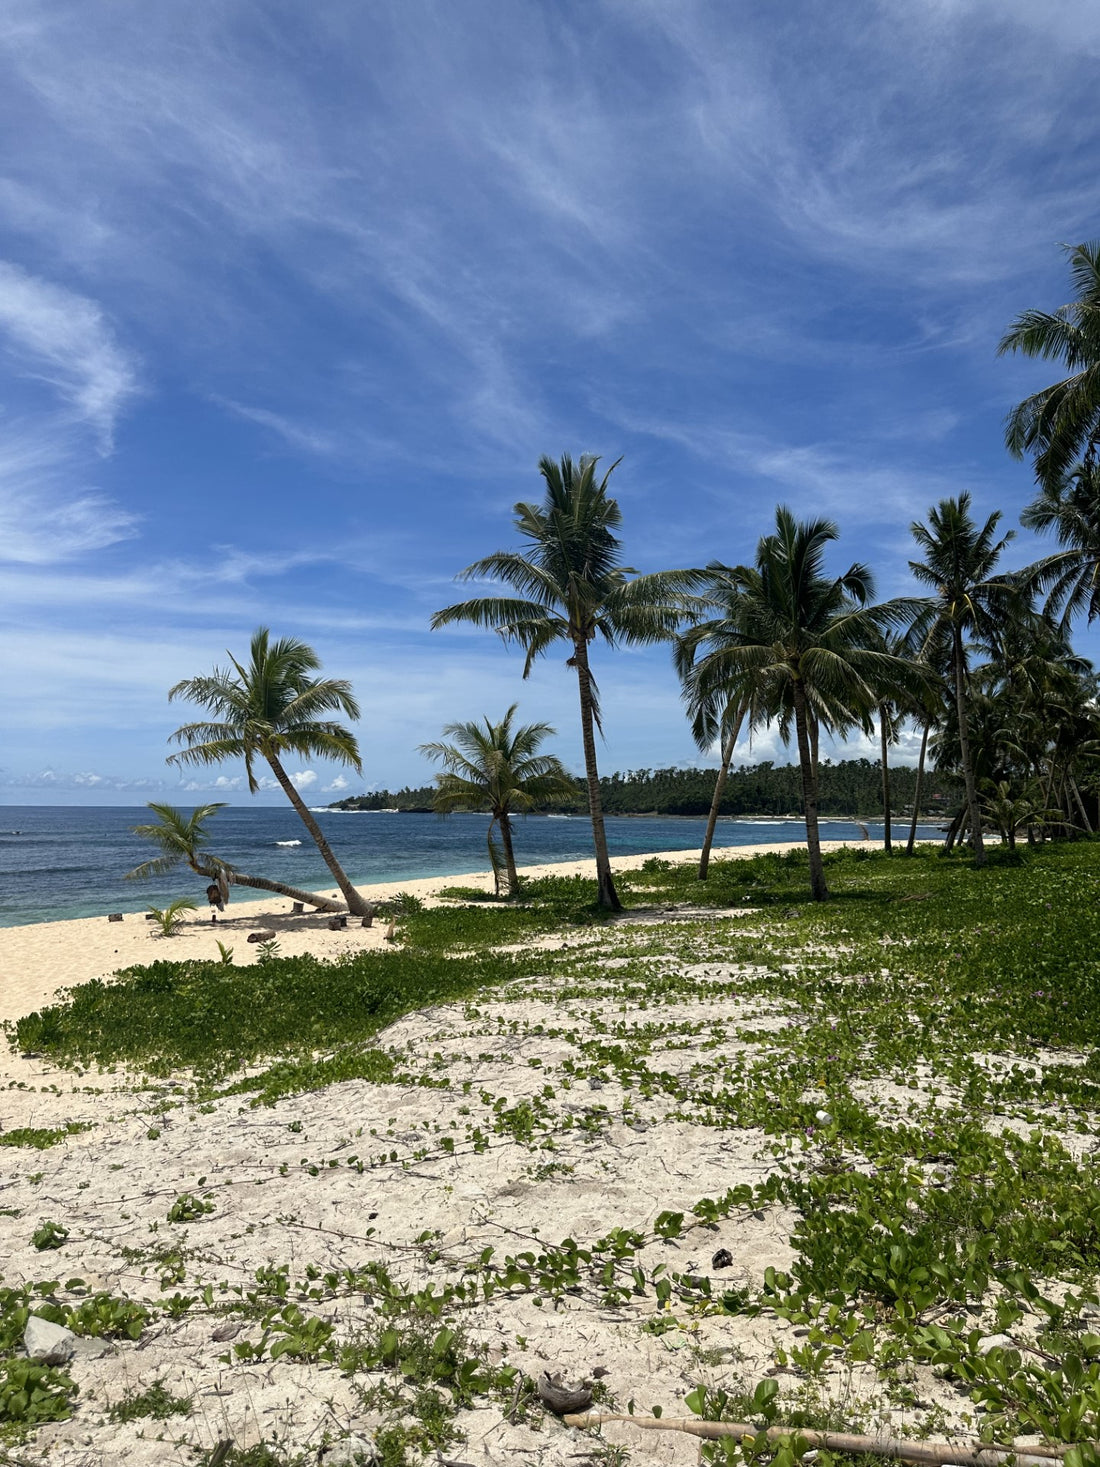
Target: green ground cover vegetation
[[927, 1101]]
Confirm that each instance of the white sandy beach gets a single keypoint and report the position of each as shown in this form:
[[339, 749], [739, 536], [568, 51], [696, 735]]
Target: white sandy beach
[[38, 959], [506, 1124]]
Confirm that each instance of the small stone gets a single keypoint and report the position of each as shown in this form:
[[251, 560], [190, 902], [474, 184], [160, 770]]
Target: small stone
[[352, 1451], [994, 1342], [594, 1084], [50, 1343], [114, 917], [264, 934], [88, 1347], [722, 1259], [824, 1117]]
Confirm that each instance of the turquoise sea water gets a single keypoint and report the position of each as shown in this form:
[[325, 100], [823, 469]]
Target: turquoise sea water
[[62, 861]]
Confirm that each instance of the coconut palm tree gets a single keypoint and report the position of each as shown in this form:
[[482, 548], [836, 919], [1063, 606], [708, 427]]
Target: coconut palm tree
[[804, 643], [717, 714], [1070, 507], [269, 708], [1061, 423], [958, 568], [571, 587], [494, 767], [184, 839], [925, 706]]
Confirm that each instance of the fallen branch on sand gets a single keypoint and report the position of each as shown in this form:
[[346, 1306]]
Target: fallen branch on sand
[[965, 1454]]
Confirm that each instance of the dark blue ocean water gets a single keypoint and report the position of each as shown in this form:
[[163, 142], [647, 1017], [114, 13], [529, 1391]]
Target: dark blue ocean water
[[68, 861]]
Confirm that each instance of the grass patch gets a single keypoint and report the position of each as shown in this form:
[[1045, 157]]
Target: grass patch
[[157, 1404], [215, 1019]]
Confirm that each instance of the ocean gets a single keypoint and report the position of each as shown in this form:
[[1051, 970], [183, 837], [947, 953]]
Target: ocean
[[71, 861]]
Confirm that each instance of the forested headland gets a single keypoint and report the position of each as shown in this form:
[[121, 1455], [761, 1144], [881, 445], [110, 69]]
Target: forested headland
[[848, 787]]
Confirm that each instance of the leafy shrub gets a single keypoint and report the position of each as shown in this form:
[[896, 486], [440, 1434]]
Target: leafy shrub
[[156, 1403], [189, 1208], [49, 1235], [31, 1393], [40, 1138]]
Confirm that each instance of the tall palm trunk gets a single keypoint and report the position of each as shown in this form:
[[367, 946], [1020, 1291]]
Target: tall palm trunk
[[608, 896], [917, 792], [972, 810], [356, 905], [719, 790], [883, 718], [818, 889], [509, 854]]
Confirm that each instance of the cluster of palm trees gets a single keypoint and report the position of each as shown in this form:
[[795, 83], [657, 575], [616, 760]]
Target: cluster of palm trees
[[981, 663]]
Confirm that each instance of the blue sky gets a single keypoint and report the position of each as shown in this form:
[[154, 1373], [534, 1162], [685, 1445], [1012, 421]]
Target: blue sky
[[293, 298]]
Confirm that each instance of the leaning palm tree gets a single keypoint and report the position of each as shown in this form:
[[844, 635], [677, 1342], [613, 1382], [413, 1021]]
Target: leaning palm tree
[[958, 565], [804, 643], [494, 767], [572, 587], [1061, 423], [185, 839], [267, 709]]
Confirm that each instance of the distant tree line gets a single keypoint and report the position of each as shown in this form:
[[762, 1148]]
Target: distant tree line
[[848, 787]]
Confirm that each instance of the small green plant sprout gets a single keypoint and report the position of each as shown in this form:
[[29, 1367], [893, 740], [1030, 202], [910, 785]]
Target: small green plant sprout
[[49, 1235], [189, 1208], [171, 917], [225, 955], [267, 952]]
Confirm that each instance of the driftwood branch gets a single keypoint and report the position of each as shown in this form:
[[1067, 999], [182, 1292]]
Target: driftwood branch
[[964, 1454]]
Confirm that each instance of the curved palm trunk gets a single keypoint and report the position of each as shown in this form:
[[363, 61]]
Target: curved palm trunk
[[323, 904], [972, 810], [1079, 802], [818, 889], [509, 855], [260, 883], [719, 790], [494, 858], [917, 792], [356, 905], [887, 844], [607, 895], [954, 830]]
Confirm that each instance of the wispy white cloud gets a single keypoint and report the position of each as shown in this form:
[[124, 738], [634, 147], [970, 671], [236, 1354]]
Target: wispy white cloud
[[47, 514], [295, 435], [65, 340]]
